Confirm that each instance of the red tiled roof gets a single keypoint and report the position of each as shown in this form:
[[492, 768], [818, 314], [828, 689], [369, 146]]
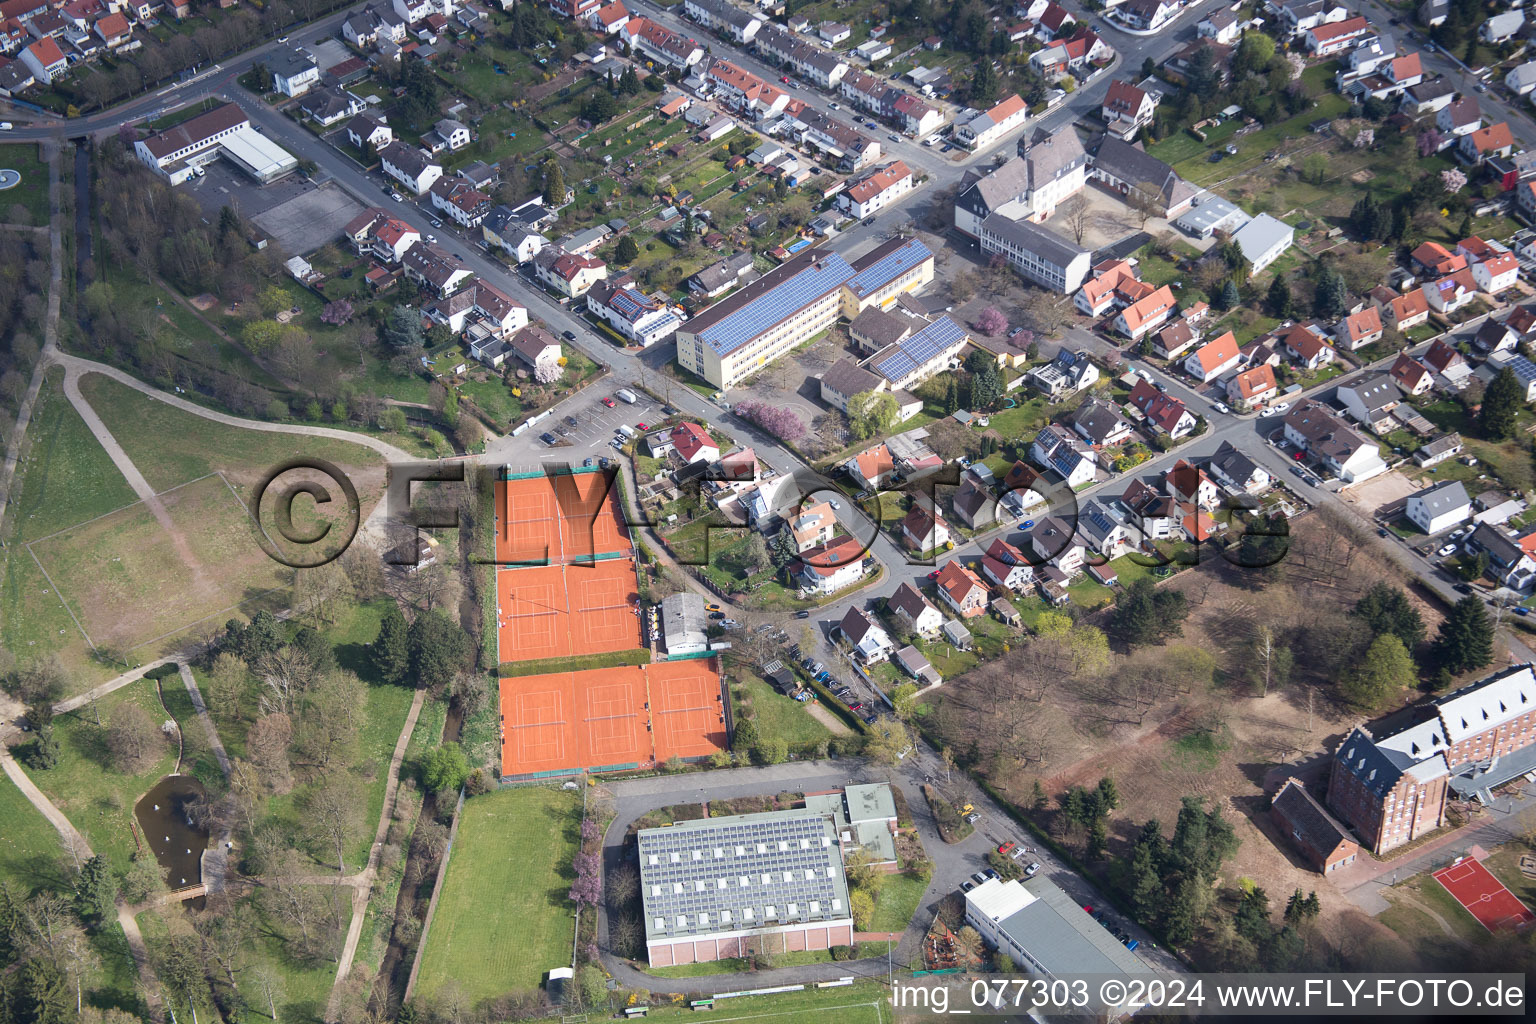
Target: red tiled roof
[[957, 581], [1143, 310], [690, 438], [1217, 352]]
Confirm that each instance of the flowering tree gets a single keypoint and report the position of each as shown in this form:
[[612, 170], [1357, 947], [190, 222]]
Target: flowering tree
[[1429, 141], [777, 420], [587, 889], [991, 322], [338, 312], [1453, 180], [548, 373], [1365, 139]]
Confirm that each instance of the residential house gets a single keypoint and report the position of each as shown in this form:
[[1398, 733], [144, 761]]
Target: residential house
[[293, 72], [915, 611], [1447, 363], [1345, 452], [725, 18], [1100, 424], [44, 59], [872, 468], [642, 319], [409, 166], [432, 267], [610, 18], [1213, 359], [870, 643], [460, 201], [1482, 143], [959, 588], [693, 443], [1237, 472], [1370, 402], [375, 233], [1434, 258], [974, 504], [1405, 311], [1253, 389], [1501, 27], [668, 48], [1163, 411], [1308, 346], [1438, 508], [1102, 527], [1522, 79], [1190, 484], [1461, 116], [369, 130], [980, 130], [1175, 339], [1055, 543], [478, 308], [1335, 37], [1147, 15], [923, 529], [1056, 447], [567, 273], [875, 191], [1494, 336], [1525, 374], [1222, 26], [1023, 487], [1452, 292], [1437, 450], [1115, 283], [718, 278], [828, 568], [1359, 329], [1146, 314], [1005, 565], [1411, 375], [1498, 274], [1428, 97], [1509, 563], [535, 348]]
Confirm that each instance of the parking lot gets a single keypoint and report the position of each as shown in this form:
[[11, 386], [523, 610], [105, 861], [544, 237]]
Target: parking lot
[[582, 427]]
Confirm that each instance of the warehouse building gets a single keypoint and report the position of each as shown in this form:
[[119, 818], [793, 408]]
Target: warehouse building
[[1045, 931], [179, 152], [724, 887]]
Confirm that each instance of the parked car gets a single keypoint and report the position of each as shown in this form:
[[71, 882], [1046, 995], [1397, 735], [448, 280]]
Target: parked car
[[979, 877], [397, 197], [972, 818], [547, 438], [729, 624], [967, 885], [1032, 870], [1019, 853], [587, 461], [894, 137], [6, 126], [615, 444], [835, 105], [871, 719], [570, 421], [609, 402], [1220, 407], [856, 706], [1521, 610], [568, 335], [1449, 549], [1462, 588], [717, 615], [802, 614], [1280, 407], [1015, 332], [1007, 847]]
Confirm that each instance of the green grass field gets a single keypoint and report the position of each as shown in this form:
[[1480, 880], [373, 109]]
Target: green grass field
[[503, 907], [96, 797], [860, 1003], [171, 447], [31, 856], [32, 194], [900, 895], [777, 715]]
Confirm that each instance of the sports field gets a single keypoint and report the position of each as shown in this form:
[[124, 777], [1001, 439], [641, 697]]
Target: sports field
[[548, 520], [503, 919], [1484, 896], [560, 611], [610, 718], [130, 582]]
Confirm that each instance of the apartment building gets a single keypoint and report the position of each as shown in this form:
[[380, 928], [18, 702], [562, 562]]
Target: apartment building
[[1043, 256]]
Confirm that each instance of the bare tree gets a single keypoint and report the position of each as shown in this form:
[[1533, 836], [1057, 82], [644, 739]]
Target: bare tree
[[1079, 217], [335, 811]]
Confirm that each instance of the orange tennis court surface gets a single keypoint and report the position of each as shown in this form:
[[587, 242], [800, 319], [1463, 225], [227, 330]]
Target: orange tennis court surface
[[554, 519], [610, 718], [1484, 896], [559, 611]]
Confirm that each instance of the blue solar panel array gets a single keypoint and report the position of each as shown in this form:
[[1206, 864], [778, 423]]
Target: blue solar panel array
[[776, 305], [889, 267], [920, 348]]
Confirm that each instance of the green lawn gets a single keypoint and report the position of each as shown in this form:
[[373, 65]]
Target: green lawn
[[30, 198], [171, 447], [31, 856], [861, 1003], [96, 797], [503, 906], [777, 715], [68, 477], [900, 896]]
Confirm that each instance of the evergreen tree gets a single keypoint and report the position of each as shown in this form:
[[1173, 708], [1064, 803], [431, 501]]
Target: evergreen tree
[[1278, 300], [1332, 296], [745, 737], [40, 994], [626, 251], [951, 394], [1185, 908], [984, 85], [1501, 404], [1038, 801], [1386, 609], [1399, 229], [1384, 671], [1252, 917], [1229, 297], [439, 648], [391, 650], [986, 386], [1098, 840], [95, 891], [1465, 640], [44, 753], [554, 184], [1109, 794], [1146, 614]]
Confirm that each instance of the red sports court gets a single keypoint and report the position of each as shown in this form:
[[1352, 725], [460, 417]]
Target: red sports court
[[610, 718], [1484, 896], [553, 519], [559, 611]]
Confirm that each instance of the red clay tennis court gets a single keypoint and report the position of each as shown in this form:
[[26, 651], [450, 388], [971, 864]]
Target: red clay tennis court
[[573, 720], [562, 518], [1484, 896], [558, 611], [687, 717], [598, 720]]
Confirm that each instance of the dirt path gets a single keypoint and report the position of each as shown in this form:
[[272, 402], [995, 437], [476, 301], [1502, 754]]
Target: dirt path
[[834, 724], [362, 883], [202, 713], [1401, 896], [658, 549], [131, 473]]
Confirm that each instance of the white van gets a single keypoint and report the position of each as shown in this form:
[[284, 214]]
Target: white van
[[627, 430], [625, 395]]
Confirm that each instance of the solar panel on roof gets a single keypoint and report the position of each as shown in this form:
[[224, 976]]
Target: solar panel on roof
[[776, 305], [889, 267]]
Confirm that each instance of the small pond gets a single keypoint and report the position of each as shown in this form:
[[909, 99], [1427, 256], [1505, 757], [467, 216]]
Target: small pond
[[166, 822]]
